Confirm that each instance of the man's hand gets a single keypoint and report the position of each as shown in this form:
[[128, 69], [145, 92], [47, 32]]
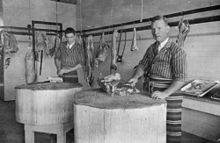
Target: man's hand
[[133, 81], [58, 72], [159, 95], [61, 72]]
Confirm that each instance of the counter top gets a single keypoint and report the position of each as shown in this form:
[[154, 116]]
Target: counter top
[[48, 86], [203, 99], [202, 104], [100, 99]]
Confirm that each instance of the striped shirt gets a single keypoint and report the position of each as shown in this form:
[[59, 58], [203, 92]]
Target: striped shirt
[[169, 62], [70, 57]]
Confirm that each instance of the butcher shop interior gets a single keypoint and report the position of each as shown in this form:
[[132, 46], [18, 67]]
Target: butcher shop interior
[[109, 71]]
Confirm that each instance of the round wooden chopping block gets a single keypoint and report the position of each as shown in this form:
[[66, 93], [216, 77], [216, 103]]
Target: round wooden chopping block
[[45, 103], [100, 118]]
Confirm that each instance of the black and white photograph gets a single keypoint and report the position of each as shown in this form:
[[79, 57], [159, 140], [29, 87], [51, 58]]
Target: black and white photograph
[[109, 71]]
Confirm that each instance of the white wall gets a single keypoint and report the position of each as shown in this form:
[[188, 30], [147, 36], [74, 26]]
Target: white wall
[[21, 13], [202, 44], [107, 12]]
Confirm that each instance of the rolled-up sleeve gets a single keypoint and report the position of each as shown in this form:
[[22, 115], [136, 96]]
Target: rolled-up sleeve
[[179, 65], [58, 53], [147, 59], [81, 55]]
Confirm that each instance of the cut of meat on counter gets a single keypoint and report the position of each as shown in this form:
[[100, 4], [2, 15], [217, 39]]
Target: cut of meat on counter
[[198, 87], [114, 85]]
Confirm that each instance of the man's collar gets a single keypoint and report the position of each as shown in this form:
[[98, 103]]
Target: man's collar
[[162, 44], [70, 45]]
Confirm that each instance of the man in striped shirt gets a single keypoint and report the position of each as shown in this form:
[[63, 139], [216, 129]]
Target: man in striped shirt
[[69, 57], [164, 69]]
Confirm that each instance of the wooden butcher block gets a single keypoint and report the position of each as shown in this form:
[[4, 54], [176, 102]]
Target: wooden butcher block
[[45, 103], [100, 118]]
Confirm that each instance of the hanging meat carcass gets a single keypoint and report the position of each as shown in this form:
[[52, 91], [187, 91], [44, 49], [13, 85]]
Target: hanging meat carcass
[[53, 43], [89, 56], [120, 56], [102, 53], [9, 48], [1, 61], [1, 57], [7, 62], [184, 29], [134, 41], [40, 47], [79, 39], [114, 51], [9, 42], [40, 41], [30, 74]]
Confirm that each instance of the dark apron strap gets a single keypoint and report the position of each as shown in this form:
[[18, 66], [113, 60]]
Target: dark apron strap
[[70, 77], [174, 108]]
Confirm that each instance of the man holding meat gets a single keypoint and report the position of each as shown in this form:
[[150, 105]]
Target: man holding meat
[[164, 69], [69, 57]]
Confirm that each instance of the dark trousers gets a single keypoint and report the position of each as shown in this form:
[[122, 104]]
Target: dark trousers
[[70, 77]]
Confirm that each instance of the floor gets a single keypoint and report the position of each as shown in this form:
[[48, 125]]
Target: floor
[[13, 132]]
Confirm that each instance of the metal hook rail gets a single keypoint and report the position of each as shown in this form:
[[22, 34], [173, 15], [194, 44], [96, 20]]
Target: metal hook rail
[[139, 28]]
